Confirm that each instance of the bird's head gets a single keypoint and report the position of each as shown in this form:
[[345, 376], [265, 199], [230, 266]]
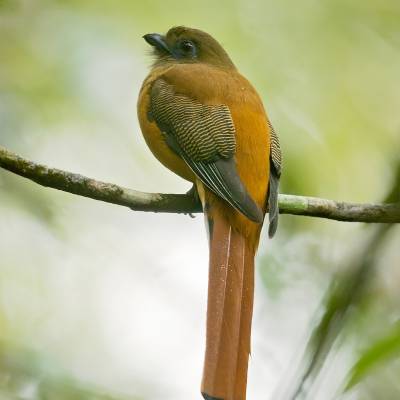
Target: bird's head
[[187, 45]]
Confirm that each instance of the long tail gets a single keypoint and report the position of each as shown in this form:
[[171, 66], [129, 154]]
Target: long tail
[[229, 311]]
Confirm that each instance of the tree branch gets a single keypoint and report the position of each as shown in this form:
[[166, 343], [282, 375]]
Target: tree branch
[[185, 203]]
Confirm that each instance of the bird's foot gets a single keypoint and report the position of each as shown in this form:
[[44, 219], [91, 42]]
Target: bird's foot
[[192, 192]]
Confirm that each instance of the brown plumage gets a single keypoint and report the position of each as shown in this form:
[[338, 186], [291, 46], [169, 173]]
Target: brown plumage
[[205, 122]]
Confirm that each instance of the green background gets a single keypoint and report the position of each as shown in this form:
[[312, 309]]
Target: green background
[[98, 301]]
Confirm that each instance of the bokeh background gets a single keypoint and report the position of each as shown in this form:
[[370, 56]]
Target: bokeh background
[[98, 302]]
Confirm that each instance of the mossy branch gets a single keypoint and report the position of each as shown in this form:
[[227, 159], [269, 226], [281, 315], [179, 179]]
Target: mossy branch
[[186, 203]]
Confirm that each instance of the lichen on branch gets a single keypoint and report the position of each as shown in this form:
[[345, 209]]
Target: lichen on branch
[[186, 203]]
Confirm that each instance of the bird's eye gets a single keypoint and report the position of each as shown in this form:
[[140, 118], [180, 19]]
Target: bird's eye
[[187, 46], [185, 49]]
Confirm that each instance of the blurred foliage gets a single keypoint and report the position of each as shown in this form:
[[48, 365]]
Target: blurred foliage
[[380, 352], [344, 296], [24, 374], [346, 293], [70, 72]]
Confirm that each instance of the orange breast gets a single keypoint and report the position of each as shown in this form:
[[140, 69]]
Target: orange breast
[[154, 137]]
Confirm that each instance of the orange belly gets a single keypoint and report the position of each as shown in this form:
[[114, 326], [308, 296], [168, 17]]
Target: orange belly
[[155, 138]]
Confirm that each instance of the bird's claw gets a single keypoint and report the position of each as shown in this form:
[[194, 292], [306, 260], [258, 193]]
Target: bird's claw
[[193, 193]]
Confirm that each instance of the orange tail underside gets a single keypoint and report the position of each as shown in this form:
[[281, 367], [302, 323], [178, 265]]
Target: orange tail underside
[[229, 312]]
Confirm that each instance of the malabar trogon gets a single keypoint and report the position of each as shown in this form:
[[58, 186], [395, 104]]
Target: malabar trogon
[[204, 121]]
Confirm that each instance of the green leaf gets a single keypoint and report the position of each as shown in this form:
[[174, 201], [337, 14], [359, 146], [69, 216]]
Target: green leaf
[[380, 351]]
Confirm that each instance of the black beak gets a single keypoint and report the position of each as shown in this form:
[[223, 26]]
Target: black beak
[[158, 41]]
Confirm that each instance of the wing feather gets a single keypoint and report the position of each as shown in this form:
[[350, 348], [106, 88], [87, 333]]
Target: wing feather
[[204, 136], [274, 177]]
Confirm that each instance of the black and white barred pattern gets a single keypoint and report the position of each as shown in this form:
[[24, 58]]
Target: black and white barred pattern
[[204, 132]]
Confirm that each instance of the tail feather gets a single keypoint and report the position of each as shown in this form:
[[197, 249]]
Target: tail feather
[[229, 312]]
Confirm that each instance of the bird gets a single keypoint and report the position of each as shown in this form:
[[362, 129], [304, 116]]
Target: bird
[[205, 122]]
